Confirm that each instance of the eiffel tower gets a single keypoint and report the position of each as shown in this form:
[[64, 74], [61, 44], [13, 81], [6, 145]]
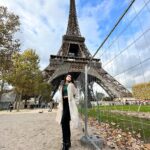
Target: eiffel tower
[[73, 56]]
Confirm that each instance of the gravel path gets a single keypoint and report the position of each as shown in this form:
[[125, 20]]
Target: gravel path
[[31, 130]]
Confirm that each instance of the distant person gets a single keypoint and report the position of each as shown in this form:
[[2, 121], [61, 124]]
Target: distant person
[[67, 113], [10, 107], [51, 104], [127, 103]]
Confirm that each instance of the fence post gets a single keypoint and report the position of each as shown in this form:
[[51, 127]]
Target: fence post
[[86, 98], [91, 141]]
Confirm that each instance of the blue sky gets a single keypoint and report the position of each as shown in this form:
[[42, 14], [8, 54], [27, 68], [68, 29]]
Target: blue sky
[[43, 22]]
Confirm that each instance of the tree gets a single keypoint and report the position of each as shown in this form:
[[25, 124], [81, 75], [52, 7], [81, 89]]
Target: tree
[[141, 91], [25, 75], [41, 88], [99, 96], [45, 91], [107, 99], [9, 25]]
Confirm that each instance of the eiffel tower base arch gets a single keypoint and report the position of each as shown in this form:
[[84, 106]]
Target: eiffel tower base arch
[[96, 74]]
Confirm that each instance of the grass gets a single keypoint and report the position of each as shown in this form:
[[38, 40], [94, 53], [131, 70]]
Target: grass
[[133, 108], [126, 123]]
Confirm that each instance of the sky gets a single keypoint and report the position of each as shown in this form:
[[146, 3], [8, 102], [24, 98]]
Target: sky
[[44, 22]]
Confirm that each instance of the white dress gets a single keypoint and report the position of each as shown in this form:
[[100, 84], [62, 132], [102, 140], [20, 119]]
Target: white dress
[[72, 100]]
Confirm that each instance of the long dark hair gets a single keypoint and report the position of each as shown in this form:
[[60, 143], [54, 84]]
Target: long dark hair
[[72, 80], [64, 81]]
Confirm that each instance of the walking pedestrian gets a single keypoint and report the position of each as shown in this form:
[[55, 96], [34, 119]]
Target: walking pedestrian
[[10, 106]]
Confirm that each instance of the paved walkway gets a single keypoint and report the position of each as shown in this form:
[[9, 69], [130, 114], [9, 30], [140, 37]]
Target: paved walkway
[[31, 130]]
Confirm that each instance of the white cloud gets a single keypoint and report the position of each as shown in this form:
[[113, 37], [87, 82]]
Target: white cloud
[[44, 22], [91, 18], [42, 25], [129, 65]]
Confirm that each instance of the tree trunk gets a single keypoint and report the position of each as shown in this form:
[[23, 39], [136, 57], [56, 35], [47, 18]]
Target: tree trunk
[[39, 97], [18, 106], [25, 104], [16, 100], [34, 101], [2, 87]]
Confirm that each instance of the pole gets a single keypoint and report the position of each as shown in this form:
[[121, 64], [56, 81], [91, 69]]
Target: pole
[[91, 141], [86, 98]]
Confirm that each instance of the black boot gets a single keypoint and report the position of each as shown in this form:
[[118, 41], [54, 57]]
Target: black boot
[[65, 146], [69, 143]]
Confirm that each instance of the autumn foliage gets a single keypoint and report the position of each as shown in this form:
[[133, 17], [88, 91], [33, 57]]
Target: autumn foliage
[[141, 91]]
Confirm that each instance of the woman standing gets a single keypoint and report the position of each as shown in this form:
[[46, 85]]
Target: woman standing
[[67, 114]]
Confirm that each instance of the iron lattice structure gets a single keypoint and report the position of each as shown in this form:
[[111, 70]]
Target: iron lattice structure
[[73, 56]]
